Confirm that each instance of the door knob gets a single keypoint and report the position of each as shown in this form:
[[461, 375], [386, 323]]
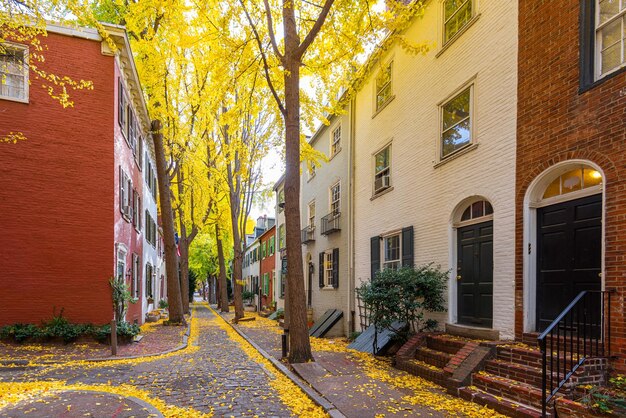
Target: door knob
[[458, 277]]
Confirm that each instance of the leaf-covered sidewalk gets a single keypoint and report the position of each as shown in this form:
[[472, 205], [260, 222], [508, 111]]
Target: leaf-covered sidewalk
[[361, 385]]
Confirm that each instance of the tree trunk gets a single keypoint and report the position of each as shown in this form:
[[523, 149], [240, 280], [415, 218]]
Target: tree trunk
[[184, 273], [299, 344], [237, 270], [171, 259], [223, 289]]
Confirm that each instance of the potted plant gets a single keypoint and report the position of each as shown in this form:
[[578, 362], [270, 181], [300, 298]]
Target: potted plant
[[248, 298]]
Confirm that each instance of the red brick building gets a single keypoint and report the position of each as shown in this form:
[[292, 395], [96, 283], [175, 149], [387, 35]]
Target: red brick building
[[571, 161], [267, 271], [71, 197]]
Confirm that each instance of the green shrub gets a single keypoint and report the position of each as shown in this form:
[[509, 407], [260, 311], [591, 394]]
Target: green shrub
[[124, 329], [20, 332], [163, 304], [60, 327], [405, 295], [247, 296]]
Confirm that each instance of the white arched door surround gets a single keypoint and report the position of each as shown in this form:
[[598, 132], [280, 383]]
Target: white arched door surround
[[471, 211], [555, 185]]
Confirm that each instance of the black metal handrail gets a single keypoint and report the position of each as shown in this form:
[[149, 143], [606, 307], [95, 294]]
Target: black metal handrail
[[584, 321], [308, 234], [330, 223]]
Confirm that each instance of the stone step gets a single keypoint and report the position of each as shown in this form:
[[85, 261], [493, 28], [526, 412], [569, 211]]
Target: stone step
[[503, 405], [514, 390], [520, 372], [435, 358], [445, 343], [423, 370]]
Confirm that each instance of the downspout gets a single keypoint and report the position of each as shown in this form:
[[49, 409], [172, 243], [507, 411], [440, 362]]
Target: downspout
[[351, 289]]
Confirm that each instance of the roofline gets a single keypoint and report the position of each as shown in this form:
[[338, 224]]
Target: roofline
[[280, 181]]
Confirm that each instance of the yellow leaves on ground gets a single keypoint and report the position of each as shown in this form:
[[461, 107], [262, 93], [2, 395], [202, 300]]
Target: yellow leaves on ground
[[13, 392], [260, 322], [299, 403]]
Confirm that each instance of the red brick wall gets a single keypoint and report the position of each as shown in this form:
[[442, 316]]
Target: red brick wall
[[56, 198], [556, 123], [268, 265]]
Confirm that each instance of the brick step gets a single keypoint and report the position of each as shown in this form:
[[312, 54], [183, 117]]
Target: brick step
[[445, 343], [520, 372], [503, 405], [525, 355], [530, 338], [507, 388], [435, 358], [426, 371]]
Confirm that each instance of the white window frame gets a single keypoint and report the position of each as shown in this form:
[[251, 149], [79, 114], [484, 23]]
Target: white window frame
[[311, 215], [335, 204], [379, 105], [383, 259], [466, 87], [311, 169], [460, 30], [328, 268], [121, 259], [25, 50], [136, 268], [381, 173], [335, 140], [620, 16]]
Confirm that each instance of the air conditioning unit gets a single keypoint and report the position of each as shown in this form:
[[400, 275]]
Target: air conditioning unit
[[381, 183]]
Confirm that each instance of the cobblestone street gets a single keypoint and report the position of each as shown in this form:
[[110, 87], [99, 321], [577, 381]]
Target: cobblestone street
[[216, 377]]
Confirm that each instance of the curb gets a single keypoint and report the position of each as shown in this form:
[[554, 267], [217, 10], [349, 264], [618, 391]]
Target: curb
[[317, 397], [23, 364]]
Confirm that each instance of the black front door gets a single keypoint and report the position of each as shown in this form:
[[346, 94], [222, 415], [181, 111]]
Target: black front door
[[475, 275], [569, 246]]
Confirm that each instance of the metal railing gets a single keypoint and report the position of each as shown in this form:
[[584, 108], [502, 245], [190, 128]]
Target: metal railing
[[330, 223], [308, 234], [575, 335]]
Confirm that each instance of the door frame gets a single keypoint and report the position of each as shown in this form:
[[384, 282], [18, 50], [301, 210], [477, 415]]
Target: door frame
[[453, 227], [533, 201]]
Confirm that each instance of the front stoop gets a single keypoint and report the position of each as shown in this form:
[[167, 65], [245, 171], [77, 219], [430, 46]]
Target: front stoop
[[504, 376], [443, 359]]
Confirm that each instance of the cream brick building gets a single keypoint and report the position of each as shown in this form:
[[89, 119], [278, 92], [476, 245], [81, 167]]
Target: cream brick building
[[325, 206], [434, 172]]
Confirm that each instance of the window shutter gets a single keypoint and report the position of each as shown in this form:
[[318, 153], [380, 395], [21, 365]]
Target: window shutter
[[122, 182], [407, 247], [120, 102], [375, 255], [335, 268], [321, 269]]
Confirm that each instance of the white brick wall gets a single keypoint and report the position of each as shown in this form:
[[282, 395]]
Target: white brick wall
[[318, 189], [426, 196]]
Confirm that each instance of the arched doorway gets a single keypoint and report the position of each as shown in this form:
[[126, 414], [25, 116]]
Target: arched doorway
[[474, 266], [564, 215]]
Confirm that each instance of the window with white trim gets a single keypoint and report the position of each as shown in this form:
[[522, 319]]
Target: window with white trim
[[383, 86], [392, 251], [456, 14], [335, 198], [14, 72], [610, 23], [382, 169], [456, 123], [311, 223], [335, 141], [136, 274], [121, 263], [328, 268]]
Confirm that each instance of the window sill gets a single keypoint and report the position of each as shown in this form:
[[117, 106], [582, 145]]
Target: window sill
[[310, 178], [379, 194], [383, 106], [14, 99], [328, 288], [456, 154], [457, 35], [601, 80], [334, 155]]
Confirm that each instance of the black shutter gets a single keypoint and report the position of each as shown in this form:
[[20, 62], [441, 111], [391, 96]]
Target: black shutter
[[335, 268], [407, 247], [375, 254], [321, 269]]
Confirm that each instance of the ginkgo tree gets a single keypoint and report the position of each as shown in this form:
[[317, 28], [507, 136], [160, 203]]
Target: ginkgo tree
[[323, 41]]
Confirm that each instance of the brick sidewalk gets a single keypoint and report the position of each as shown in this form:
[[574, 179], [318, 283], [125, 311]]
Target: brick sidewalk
[[341, 378]]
